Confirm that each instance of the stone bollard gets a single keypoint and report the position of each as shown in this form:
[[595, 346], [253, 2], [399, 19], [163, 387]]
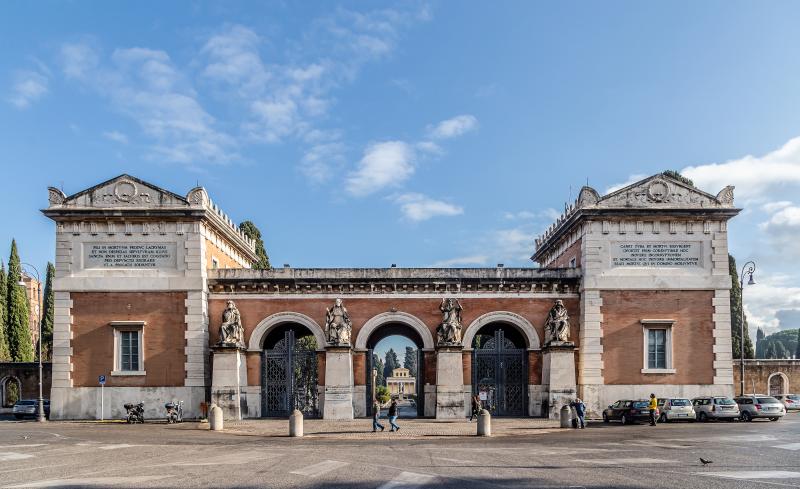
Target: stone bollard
[[296, 424], [484, 423], [566, 417], [215, 418]]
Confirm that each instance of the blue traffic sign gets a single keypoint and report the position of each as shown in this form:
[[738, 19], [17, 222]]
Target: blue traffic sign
[[102, 379]]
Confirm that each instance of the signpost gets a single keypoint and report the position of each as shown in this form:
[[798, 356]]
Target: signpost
[[102, 380]]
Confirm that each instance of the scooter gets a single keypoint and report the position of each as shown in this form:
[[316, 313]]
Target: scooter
[[135, 413], [174, 411]]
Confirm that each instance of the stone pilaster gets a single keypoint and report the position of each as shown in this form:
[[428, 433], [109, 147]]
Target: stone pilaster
[[450, 402], [228, 381], [338, 399]]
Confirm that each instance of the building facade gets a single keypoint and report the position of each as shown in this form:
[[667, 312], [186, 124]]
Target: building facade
[[33, 290], [401, 384], [155, 291]]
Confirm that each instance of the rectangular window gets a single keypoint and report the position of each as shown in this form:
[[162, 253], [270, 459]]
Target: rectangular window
[[128, 347], [657, 348], [129, 356]]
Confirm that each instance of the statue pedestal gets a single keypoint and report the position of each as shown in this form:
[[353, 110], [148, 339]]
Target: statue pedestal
[[450, 383], [558, 376], [228, 379], [338, 399]]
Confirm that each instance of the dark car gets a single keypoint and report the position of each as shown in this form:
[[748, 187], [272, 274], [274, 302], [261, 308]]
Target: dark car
[[628, 411], [29, 407]]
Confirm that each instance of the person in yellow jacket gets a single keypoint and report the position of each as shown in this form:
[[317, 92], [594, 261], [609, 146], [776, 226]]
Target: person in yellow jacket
[[653, 408]]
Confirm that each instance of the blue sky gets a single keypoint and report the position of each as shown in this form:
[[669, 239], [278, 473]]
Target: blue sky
[[416, 133]]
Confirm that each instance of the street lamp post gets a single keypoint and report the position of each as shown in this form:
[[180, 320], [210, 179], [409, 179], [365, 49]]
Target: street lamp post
[[40, 416], [748, 269]]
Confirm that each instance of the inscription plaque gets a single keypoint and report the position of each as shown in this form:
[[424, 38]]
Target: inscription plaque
[[129, 255], [662, 254]]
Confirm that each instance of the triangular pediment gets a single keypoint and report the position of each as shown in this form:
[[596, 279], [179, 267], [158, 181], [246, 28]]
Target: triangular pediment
[[662, 190], [124, 191]]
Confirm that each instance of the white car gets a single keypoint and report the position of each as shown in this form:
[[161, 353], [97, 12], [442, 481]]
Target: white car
[[676, 409], [790, 401]]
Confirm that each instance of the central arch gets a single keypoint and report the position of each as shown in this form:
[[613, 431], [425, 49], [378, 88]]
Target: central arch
[[525, 327], [394, 317]]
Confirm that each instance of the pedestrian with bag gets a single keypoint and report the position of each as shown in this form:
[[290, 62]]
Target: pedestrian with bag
[[393, 416], [653, 408], [376, 416], [476, 407], [580, 412]]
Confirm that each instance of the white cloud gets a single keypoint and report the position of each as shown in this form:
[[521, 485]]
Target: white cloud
[[473, 260], [764, 299], [785, 217], [430, 148], [630, 181], [418, 207], [319, 159], [754, 177], [384, 164], [78, 59], [771, 207], [454, 127], [548, 214], [28, 87], [116, 136], [234, 59]]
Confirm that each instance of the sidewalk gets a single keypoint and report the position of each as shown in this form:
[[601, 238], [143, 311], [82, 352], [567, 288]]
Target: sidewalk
[[410, 428]]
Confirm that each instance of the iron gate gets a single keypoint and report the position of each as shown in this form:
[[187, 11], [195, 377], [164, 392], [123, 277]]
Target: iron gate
[[499, 376], [289, 377]]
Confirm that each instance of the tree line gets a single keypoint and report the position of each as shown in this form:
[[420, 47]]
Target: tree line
[[783, 344], [16, 340]]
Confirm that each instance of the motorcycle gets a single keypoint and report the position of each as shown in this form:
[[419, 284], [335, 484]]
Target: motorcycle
[[135, 413], [174, 411]]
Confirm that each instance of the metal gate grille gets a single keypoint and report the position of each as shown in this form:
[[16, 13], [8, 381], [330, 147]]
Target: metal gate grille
[[289, 377], [499, 372]]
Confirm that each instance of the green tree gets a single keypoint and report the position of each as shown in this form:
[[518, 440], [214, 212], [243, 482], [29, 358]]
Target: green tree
[[736, 314], [769, 351], [677, 176], [410, 360], [760, 343], [252, 232], [382, 394], [377, 364], [780, 350], [391, 363], [797, 346], [19, 331], [48, 309], [5, 352]]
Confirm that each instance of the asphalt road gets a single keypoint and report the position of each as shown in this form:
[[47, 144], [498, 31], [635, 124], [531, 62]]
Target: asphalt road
[[759, 454]]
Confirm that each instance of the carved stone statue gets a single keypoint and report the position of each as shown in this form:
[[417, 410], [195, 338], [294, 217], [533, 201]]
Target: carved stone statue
[[557, 326], [337, 324], [231, 332], [449, 331]]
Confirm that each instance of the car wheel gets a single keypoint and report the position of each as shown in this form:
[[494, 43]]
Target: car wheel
[[703, 417], [774, 419], [746, 416], [605, 418], [624, 419]]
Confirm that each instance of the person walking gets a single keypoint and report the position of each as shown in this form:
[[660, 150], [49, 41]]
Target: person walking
[[376, 416], [580, 412], [653, 407], [476, 407], [393, 416]]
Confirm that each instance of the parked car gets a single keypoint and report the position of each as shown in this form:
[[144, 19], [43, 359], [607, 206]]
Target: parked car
[[757, 406], [628, 411], [676, 409], [29, 407], [715, 407], [790, 401]]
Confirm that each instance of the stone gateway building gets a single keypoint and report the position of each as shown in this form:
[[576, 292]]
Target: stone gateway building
[[154, 291]]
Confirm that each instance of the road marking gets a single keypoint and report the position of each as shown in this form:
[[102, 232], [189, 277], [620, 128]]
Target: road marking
[[753, 474], [625, 461], [408, 480], [789, 446], [96, 481], [26, 446], [115, 447], [323, 467], [456, 460], [8, 456]]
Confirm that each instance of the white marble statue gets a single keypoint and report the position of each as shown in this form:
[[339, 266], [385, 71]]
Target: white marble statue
[[337, 324], [557, 326], [449, 331], [231, 332]]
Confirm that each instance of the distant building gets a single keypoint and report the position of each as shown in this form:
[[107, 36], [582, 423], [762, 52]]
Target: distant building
[[32, 290], [401, 383]]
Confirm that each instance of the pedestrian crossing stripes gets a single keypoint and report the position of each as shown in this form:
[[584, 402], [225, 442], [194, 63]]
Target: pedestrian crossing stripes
[[788, 446], [408, 480], [753, 474], [321, 468], [629, 461], [9, 456]]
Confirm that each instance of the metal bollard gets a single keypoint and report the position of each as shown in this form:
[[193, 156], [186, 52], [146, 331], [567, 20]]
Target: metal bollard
[[484, 423], [296, 424], [215, 418], [566, 417]]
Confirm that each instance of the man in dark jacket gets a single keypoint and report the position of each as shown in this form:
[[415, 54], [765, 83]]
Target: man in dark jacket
[[580, 412], [393, 416]]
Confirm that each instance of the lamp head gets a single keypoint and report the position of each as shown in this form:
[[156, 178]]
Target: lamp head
[[751, 281]]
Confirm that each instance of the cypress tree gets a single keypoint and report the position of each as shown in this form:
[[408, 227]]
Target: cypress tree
[[797, 347], [410, 360], [780, 350], [377, 364], [769, 351], [48, 310], [391, 363], [19, 331], [252, 232], [760, 343], [5, 353], [736, 314]]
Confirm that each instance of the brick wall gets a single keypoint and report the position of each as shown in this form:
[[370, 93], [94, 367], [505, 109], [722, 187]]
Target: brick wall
[[758, 372], [572, 251], [163, 343], [692, 335]]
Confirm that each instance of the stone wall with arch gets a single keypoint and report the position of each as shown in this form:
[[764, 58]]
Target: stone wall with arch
[[759, 373], [27, 375]]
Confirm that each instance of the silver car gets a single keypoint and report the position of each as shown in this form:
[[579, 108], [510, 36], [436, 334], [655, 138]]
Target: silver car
[[676, 409], [790, 401], [760, 407], [715, 407]]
